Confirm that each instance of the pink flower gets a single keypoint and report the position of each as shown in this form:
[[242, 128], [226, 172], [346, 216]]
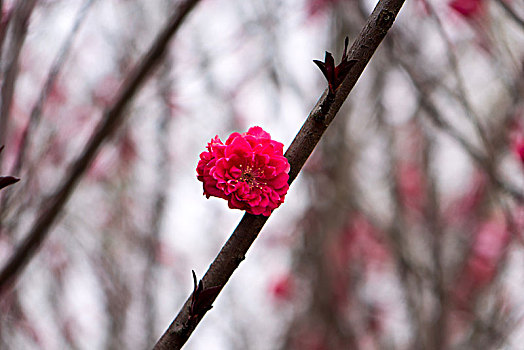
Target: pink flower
[[249, 171]]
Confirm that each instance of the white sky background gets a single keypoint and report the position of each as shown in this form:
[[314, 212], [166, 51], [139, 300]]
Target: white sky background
[[231, 41]]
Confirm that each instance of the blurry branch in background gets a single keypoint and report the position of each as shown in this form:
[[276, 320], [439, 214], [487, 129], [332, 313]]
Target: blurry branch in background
[[19, 24], [483, 329], [4, 22], [409, 273], [512, 14], [52, 76], [6, 180], [112, 119], [234, 250], [437, 326], [36, 112], [163, 173], [463, 99], [424, 86]]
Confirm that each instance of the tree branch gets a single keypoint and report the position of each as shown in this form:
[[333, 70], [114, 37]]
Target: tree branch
[[113, 118], [234, 250]]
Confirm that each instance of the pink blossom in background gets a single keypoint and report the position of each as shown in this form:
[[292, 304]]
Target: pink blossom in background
[[516, 137], [282, 287], [411, 184], [488, 247], [127, 150], [105, 90], [316, 7], [58, 94], [468, 8], [309, 338], [463, 206], [519, 149], [359, 244], [422, 8], [249, 171]]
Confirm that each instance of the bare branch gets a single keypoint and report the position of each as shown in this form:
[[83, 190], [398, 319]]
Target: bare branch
[[113, 118], [234, 250]]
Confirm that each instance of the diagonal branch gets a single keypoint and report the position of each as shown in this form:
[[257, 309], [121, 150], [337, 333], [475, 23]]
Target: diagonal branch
[[234, 250], [113, 118]]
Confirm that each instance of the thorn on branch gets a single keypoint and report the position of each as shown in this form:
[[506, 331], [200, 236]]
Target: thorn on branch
[[335, 75], [202, 298], [240, 259], [6, 180]]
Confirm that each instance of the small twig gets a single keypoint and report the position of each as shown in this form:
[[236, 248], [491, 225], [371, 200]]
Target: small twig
[[5, 18], [437, 329], [20, 23], [113, 118], [463, 99], [36, 112], [234, 250], [54, 71], [435, 116], [474, 153], [159, 205]]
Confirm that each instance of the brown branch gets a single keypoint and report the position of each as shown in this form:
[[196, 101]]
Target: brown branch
[[463, 99], [113, 118], [234, 250]]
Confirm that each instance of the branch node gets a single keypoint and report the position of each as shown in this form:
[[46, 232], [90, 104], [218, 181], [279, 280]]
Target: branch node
[[335, 75], [385, 19], [323, 109], [239, 259]]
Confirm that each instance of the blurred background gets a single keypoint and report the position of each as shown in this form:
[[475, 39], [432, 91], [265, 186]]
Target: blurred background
[[404, 230]]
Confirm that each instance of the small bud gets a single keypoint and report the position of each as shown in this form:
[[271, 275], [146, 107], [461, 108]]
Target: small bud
[[335, 75]]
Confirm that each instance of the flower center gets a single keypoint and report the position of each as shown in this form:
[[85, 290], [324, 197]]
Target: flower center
[[250, 176]]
